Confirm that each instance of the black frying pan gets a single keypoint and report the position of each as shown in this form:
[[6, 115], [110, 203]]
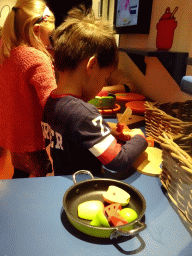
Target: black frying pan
[[93, 189]]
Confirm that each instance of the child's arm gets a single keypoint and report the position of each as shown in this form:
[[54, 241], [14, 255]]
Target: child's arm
[[43, 79], [39, 72], [114, 88], [128, 154], [119, 82], [104, 146], [117, 157]]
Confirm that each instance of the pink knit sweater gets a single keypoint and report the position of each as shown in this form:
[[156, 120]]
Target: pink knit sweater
[[26, 81]]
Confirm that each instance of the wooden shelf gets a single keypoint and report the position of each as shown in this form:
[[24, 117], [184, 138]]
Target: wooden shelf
[[174, 62]]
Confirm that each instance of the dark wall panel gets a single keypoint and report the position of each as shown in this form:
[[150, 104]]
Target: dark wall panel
[[61, 7]]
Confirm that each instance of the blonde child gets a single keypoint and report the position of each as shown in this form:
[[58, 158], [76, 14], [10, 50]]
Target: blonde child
[[27, 79], [79, 137]]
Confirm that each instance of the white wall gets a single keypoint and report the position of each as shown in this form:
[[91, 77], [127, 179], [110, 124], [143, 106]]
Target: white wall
[[5, 7], [96, 5]]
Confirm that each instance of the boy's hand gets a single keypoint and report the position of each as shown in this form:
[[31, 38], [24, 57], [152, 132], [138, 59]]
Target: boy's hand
[[125, 134], [116, 134]]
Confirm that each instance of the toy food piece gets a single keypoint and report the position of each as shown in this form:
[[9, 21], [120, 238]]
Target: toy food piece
[[87, 210], [120, 127], [150, 141], [104, 100], [128, 214], [102, 93], [112, 209], [117, 220], [100, 220], [116, 195]]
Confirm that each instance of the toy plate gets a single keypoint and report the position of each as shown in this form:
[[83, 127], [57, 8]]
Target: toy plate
[[125, 97], [110, 111], [136, 106]]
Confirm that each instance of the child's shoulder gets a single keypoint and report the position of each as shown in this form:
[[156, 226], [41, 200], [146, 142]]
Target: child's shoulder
[[26, 57], [29, 54], [75, 107], [77, 104]]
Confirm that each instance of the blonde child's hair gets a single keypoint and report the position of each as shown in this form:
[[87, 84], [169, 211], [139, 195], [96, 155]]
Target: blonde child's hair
[[18, 26], [82, 36]]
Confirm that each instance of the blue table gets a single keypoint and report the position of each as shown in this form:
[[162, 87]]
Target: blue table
[[32, 222]]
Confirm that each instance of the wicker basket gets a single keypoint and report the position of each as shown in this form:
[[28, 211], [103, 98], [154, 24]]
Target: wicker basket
[[176, 175], [173, 118]]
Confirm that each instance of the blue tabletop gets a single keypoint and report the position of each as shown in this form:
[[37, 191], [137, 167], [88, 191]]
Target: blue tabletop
[[32, 222]]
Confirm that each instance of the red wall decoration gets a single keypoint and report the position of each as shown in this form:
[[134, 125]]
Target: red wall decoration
[[165, 30]]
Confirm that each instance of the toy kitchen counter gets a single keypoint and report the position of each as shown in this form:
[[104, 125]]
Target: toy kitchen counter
[[33, 222]]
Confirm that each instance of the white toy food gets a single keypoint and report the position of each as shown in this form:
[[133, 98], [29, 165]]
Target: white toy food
[[116, 195]]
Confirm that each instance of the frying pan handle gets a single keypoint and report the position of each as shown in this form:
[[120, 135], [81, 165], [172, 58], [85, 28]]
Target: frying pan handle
[[132, 232], [81, 172]]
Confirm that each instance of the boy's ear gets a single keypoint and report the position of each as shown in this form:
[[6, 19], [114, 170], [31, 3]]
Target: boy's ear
[[36, 29], [92, 62]]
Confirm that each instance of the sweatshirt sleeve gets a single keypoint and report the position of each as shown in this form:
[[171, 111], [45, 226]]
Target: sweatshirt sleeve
[[128, 154]]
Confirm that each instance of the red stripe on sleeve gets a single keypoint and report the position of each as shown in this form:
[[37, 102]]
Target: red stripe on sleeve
[[110, 153]]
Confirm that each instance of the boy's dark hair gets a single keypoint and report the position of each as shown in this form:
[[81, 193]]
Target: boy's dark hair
[[82, 36]]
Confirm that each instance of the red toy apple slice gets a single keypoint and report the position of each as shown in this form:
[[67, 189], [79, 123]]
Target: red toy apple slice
[[112, 209], [117, 220]]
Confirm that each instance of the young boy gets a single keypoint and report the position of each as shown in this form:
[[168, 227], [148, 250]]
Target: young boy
[[85, 55]]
